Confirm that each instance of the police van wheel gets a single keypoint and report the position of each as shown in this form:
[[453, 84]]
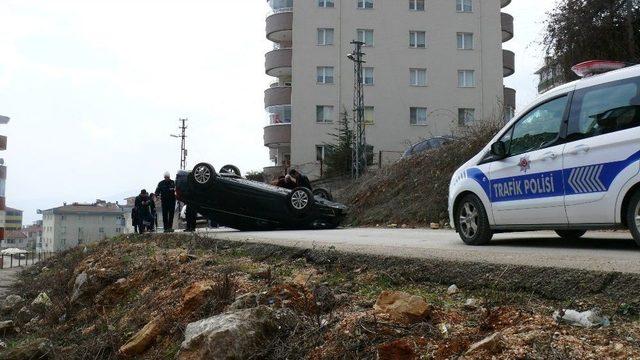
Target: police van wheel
[[633, 216], [472, 222], [571, 234]]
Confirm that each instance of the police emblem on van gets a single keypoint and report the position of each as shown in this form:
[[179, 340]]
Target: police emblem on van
[[524, 164]]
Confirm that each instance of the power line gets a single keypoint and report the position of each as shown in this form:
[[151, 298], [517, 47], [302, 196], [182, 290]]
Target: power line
[[183, 143]]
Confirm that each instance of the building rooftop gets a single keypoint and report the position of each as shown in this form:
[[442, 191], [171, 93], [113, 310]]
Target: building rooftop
[[12, 209], [99, 207], [18, 234]]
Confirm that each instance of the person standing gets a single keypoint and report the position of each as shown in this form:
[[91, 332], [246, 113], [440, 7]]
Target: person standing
[[144, 206], [134, 220], [167, 191]]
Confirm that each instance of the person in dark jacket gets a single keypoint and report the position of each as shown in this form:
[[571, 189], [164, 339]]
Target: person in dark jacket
[[134, 220], [144, 206], [167, 191], [300, 179]]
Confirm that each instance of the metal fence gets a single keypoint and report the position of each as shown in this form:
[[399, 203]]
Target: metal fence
[[22, 260]]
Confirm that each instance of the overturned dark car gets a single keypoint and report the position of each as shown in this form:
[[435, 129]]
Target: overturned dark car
[[232, 201]]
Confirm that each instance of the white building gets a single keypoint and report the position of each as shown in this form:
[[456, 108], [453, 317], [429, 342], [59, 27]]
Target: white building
[[67, 226], [432, 66]]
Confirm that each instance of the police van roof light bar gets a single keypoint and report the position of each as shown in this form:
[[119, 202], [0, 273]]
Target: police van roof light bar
[[594, 67]]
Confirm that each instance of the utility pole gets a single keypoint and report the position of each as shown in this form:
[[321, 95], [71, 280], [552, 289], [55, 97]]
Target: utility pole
[[183, 143], [359, 156]]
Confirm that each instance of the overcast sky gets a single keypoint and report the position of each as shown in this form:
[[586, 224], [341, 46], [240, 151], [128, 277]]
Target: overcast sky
[[95, 87]]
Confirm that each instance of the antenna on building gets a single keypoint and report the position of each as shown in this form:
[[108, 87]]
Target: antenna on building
[[183, 143], [359, 149]]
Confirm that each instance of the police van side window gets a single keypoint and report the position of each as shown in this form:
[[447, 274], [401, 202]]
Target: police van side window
[[604, 109], [536, 130]]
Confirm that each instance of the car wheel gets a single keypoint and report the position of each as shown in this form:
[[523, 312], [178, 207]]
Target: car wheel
[[472, 222], [230, 169], [203, 174], [633, 216], [571, 234], [300, 200], [323, 193]]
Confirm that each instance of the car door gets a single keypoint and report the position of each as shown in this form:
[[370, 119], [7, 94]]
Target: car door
[[602, 151], [526, 186]]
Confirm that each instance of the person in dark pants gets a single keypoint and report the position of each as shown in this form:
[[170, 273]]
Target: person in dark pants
[[134, 220], [144, 206], [167, 191], [300, 179], [191, 215]]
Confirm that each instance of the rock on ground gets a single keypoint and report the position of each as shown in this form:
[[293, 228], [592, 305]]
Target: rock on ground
[[400, 306], [34, 349], [143, 339], [233, 335], [41, 302], [491, 343], [11, 302], [78, 285], [396, 350]]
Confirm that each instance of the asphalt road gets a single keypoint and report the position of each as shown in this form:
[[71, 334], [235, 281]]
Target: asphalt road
[[601, 251]]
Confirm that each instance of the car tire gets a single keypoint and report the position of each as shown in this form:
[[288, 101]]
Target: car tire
[[203, 175], [633, 216], [231, 169], [571, 234], [323, 193], [300, 200], [472, 222]]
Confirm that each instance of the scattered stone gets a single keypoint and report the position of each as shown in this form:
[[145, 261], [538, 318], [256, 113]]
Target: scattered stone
[[434, 226], [453, 289], [35, 349], [41, 302], [24, 315], [587, 319], [196, 295], [325, 300], [6, 327], [88, 330], [392, 226], [471, 304], [11, 302], [185, 258], [342, 298], [404, 226], [233, 335], [444, 329], [306, 277], [396, 350], [45, 269], [402, 307], [141, 341], [3, 345], [245, 301], [491, 344], [78, 286]]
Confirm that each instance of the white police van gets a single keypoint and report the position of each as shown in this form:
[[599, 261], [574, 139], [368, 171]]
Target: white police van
[[570, 162]]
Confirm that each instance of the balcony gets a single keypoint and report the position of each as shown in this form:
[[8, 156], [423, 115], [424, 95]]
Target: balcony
[[278, 62], [504, 3], [277, 135], [3, 142], [279, 27], [508, 63], [509, 98], [506, 21], [278, 95]]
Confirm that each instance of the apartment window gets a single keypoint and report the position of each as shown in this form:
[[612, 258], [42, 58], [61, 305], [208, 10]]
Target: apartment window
[[62, 218], [325, 36], [321, 151], [466, 78], [324, 114], [325, 75], [63, 230], [325, 3], [365, 36], [365, 4], [465, 41], [418, 116], [417, 39], [100, 230], [464, 6], [369, 117], [367, 76], [416, 5], [418, 77], [118, 230], [466, 116]]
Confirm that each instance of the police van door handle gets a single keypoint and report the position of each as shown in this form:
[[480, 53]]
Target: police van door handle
[[549, 156], [580, 149]]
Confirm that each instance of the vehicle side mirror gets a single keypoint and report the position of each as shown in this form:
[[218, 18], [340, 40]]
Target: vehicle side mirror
[[499, 150]]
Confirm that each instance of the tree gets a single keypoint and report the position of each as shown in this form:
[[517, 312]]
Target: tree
[[581, 30], [337, 158], [255, 175]]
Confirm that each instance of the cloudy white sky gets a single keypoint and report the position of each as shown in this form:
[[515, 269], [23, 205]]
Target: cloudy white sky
[[95, 87]]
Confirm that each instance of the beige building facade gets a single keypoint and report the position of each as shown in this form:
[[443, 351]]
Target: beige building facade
[[431, 67], [68, 226]]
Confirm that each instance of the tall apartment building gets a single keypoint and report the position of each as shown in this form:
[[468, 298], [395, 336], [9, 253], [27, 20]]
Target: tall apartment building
[[432, 66], [3, 175], [12, 219], [68, 226]]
